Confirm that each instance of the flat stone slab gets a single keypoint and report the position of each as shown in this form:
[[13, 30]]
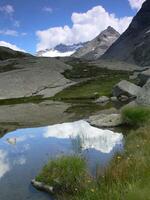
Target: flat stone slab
[[105, 120], [33, 76]]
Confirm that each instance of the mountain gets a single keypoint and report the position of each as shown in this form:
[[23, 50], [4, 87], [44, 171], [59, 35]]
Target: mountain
[[133, 46], [95, 48], [7, 53], [60, 50]]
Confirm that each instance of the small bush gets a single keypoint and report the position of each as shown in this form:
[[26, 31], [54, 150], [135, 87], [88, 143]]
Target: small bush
[[65, 174], [136, 116]]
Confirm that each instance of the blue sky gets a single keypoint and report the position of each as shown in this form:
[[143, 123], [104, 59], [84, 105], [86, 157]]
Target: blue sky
[[21, 20]]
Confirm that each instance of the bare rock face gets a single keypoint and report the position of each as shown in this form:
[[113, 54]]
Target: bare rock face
[[143, 97], [32, 76], [134, 44], [7, 53], [98, 46], [126, 89]]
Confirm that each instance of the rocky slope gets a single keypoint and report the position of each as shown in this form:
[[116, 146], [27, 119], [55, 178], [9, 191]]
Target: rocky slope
[[7, 53], [133, 46], [60, 50], [98, 46]]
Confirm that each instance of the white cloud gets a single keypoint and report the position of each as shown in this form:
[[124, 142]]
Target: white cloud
[[85, 27], [9, 32], [136, 4], [48, 9], [11, 46], [7, 9]]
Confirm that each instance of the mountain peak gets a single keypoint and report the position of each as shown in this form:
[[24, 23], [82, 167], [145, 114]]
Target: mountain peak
[[110, 28], [95, 48]]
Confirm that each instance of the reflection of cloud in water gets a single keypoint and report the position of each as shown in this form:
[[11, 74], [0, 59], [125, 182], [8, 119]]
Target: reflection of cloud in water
[[5, 161], [20, 161], [90, 137], [4, 165]]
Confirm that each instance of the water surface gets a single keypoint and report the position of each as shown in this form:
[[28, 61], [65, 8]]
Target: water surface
[[23, 153]]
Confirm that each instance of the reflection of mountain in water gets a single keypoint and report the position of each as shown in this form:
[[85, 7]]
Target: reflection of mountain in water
[[87, 137]]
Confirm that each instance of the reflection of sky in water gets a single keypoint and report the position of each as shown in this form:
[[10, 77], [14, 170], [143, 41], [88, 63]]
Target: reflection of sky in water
[[25, 151]]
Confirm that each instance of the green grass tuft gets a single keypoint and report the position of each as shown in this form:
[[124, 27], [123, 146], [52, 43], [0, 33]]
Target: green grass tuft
[[136, 116], [66, 174]]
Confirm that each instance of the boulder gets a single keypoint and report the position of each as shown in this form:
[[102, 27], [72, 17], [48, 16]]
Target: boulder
[[126, 89], [143, 96], [143, 77], [106, 120], [102, 100]]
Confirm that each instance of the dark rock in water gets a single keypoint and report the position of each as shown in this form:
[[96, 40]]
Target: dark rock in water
[[125, 90], [134, 44], [42, 186], [98, 46], [7, 53]]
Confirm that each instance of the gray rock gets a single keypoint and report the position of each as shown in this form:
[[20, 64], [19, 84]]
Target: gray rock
[[126, 89], [42, 186], [33, 76], [102, 100], [123, 98], [113, 99], [95, 48], [134, 76], [143, 97], [129, 105], [143, 77], [106, 120]]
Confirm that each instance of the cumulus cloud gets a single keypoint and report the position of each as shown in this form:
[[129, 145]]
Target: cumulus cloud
[[85, 27], [11, 46], [136, 4], [7, 9]]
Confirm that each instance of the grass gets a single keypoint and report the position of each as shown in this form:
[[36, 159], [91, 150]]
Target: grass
[[93, 88], [136, 116], [31, 99], [65, 174], [126, 178], [83, 109]]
